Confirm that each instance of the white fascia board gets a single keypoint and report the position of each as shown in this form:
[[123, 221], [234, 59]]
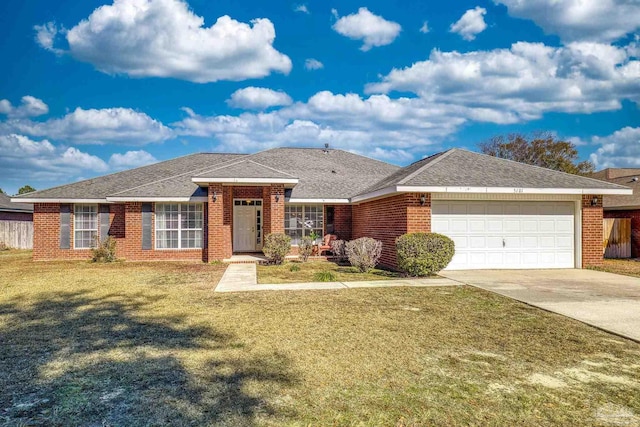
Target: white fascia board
[[35, 200], [374, 194], [157, 199], [311, 201], [245, 180], [513, 190]]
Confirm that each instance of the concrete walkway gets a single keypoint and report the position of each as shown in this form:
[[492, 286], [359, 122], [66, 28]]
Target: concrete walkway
[[243, 278], [604, 300]]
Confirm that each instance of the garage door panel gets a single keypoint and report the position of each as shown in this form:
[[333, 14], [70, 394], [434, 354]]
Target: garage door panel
[[501, 234]]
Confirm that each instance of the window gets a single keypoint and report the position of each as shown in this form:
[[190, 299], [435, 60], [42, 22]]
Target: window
[[85, 226], [301, 220], [179, 226]]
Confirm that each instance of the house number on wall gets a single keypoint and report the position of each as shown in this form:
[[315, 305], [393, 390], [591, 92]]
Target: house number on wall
[[518, 190]]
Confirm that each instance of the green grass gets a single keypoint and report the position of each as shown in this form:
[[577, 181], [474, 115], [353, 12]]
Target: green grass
[[308, 271], [151, 344]]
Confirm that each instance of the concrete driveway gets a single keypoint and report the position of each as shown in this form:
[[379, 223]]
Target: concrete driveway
[[607, 301]]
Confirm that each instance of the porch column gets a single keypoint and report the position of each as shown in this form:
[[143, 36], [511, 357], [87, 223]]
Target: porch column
[[219, 224]]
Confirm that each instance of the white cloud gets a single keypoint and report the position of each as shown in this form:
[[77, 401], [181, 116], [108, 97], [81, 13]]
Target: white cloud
[[302, 8], [621, 149], [164, 38], [372, 29], [470, 24], [29, 107], [258, 98], [46, 35], [425, 27], [42, 160], [313, 64], [131, 159], [523, 82], [590, 20], [120, 126], [347, 121]]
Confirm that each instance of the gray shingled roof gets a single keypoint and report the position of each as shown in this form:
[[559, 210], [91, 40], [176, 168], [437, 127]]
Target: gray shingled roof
[[7, 206], [462, 168], [244, 169], [322, 174], [332, 174], [622, 177]]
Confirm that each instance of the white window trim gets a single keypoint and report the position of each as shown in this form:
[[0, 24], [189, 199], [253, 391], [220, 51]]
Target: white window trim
[[303, 214], [179, 229], [75, 229]]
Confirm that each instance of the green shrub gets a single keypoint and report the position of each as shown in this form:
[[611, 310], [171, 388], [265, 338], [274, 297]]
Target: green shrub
[[324, 276], [423, 254], [104, 251], [305, 249], [339, 250], [364, 253], [294, 268], [276, 247]]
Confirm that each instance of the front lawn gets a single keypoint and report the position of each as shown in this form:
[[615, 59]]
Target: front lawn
[[628, 267], [302, 272], [151, 344]]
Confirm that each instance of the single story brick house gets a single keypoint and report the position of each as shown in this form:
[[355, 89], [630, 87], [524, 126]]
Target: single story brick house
[[501, 214], [624, 206]]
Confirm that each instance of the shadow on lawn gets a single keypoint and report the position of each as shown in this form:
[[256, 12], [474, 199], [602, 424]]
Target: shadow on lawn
[[72, 359]]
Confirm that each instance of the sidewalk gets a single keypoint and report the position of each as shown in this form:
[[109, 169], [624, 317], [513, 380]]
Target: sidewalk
[[243, 278]]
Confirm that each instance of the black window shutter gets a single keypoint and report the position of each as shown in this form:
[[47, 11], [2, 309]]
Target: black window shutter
[[65, 226], [146, 226], [104, 222]]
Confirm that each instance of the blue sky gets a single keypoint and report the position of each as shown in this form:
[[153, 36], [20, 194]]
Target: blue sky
[[93, 87]]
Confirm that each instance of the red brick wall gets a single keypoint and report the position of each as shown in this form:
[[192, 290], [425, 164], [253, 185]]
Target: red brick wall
[[342, 221], [388, 218], [635, 227], [16, 216], [247, 192], [276, 209], [219, 221], [592, 238]]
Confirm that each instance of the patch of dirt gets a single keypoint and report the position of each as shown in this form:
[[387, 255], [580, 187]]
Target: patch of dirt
[[546, 381], [616, 415], [587, 376]]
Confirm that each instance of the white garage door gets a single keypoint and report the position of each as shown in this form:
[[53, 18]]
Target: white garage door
[[507, 234]]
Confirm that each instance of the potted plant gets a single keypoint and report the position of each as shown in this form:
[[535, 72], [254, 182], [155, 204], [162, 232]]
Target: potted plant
[[314, 238]]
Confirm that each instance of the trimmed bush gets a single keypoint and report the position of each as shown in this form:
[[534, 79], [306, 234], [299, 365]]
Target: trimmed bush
[[104, 251], [339, 251], [276, 247], [364, 253], [423, 254], [324, 276], [305, 249]]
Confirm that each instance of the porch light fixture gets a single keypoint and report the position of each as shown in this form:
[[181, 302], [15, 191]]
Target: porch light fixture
[[423, 200], [215, 196], [594, 201], [277, 198]]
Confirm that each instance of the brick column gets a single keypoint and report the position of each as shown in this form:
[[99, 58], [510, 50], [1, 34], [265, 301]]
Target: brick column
[[133, 231], [276, 211], [592, 238], [218, 233]]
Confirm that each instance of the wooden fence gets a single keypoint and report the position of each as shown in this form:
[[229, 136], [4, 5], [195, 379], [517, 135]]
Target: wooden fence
[[17, 234], [617, 237]]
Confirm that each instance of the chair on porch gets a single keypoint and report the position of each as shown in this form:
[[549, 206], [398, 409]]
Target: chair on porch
[[325, 245]]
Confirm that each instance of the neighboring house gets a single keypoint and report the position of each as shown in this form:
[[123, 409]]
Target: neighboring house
[[16, 223], [501, 214], [624, 206]]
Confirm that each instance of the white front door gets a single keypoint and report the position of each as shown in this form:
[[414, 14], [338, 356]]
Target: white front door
[[247, 225], [507, 234]]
